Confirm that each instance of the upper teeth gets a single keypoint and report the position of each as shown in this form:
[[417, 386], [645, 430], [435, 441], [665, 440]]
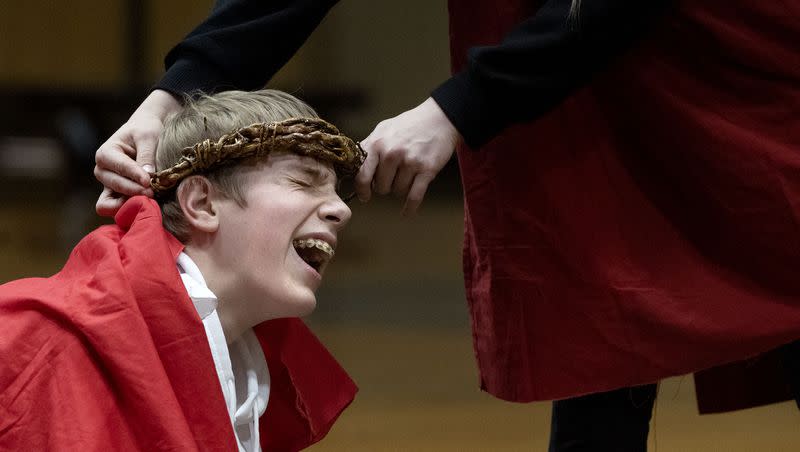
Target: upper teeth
[[321, 245]]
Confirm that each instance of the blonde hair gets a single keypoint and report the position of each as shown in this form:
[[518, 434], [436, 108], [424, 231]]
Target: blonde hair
[[573, 10], [209, 117]]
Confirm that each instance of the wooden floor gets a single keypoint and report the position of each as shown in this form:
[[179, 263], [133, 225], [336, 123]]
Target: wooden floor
[[392, 311], [419, 393]]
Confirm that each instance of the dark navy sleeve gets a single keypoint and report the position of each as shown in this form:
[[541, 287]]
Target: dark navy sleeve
[[241, 44]]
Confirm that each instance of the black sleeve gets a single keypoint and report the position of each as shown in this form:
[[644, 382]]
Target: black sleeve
[[241, 45], [540, 63]]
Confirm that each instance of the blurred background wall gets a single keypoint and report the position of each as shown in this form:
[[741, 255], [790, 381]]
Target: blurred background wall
[[391, 52], [392, 308]]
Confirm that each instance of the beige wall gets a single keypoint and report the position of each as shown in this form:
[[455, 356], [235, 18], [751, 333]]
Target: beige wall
[[395, 51], [59, 42], [80, 43], [169, 21]]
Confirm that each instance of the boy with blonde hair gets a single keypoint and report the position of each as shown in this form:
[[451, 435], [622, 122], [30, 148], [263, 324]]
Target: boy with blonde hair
[[184, 336]]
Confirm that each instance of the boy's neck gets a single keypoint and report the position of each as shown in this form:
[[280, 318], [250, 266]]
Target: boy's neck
[[233, 325]]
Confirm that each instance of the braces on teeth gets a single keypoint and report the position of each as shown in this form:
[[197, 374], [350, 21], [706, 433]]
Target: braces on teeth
[[314, 243]]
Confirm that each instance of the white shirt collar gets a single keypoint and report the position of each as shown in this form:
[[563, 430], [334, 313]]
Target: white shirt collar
[[241, 366], [203, 298]]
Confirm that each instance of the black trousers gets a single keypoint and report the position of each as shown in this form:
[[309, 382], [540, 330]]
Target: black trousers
[[619, 420]]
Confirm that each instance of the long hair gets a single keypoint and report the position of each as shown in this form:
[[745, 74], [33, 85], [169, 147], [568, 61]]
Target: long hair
[[574, 7]]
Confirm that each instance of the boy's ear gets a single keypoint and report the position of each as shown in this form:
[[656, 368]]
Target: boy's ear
[[197, 197]]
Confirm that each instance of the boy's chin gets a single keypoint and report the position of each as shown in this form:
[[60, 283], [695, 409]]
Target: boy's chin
[[307, 309], [299, 308]]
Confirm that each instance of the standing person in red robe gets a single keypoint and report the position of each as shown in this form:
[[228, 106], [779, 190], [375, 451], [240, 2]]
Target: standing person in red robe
[[631, 176], [183, 334]]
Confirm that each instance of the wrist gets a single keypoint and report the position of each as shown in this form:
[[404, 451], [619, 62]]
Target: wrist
[[440, 119], [158, 103]]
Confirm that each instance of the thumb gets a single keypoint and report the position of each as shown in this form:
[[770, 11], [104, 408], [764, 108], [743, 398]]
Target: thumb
[[146, 152]]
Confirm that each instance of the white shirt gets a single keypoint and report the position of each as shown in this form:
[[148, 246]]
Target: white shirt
[[241, 366]]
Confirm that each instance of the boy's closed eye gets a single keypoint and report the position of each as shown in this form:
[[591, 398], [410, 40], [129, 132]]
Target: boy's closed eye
[[301, 182], [307, 183], [308, 177]]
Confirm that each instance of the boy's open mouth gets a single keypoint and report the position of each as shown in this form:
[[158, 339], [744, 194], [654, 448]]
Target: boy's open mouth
[[315, 252]]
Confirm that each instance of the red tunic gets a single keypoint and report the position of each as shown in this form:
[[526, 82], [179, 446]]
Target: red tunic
[[650, 225], [110, 354]]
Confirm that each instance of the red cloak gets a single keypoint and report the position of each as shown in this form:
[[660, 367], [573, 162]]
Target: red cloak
[[650, 225], [110, 354]]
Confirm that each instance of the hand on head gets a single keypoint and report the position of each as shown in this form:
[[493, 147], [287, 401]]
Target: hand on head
[[116, 169], [405, 153]]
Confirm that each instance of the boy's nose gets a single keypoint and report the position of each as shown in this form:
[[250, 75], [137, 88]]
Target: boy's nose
[[336, 211]]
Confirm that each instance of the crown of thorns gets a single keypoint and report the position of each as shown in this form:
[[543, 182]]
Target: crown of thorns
[[312, 137]]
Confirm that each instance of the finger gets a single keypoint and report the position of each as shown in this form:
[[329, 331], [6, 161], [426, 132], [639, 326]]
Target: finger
[[385, 172], [417, 193], [402, 180], [146, 152], [129, 150], [363, 179], [117, 183], [109, 203], [148, 192], [113, 158]]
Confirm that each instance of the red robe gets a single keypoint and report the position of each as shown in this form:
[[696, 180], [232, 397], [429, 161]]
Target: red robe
[[650, 225], [110, 354]]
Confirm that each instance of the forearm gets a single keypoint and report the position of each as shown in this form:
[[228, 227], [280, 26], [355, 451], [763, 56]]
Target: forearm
[[540, 63], [241, 45]]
